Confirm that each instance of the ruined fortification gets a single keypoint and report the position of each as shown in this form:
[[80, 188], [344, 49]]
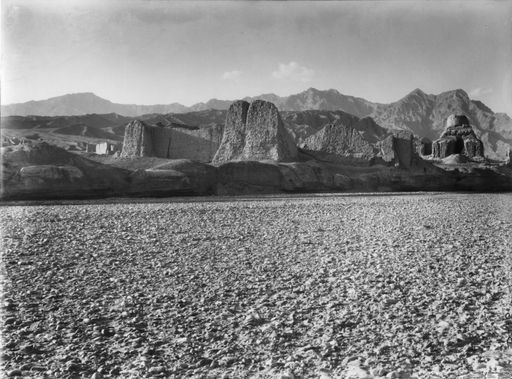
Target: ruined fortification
[[458, 137], [398, 148], [233, 139], [143, 140], [335, 141], [255, 132]]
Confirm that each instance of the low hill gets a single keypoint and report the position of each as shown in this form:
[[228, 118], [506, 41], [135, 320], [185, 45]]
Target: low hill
[[99, 121], [42, 170], [87, 131]]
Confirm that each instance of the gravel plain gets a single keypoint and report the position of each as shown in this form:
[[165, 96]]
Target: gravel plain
[[329, 286]]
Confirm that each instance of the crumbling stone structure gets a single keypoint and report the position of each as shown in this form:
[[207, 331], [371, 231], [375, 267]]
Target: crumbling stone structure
[[339, 140], [425, 146], [233, 139], [143, 140], [255, 132], [458, 138], [398, 148]]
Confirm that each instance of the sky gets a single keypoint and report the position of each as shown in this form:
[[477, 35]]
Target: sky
[[160, 52]]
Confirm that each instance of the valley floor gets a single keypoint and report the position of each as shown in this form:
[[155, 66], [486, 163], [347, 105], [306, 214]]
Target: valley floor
[[319, 286]]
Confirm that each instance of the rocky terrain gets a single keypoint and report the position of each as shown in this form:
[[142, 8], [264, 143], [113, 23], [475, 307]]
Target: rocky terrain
[[417, 112], [233, 137], [339, 140], [393, 286], [425, 114], [43, 171]]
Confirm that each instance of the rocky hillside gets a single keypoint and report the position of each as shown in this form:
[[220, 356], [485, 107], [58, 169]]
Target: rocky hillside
[[41, 170], [68, 131], [300, 124], [425, 114], [98, 121], [313, 99]]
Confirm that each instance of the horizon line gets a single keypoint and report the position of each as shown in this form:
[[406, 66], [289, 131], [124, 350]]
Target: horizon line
[[214, 98]]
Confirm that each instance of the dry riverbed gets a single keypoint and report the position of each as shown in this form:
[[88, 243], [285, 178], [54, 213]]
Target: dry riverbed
[[321, 286]]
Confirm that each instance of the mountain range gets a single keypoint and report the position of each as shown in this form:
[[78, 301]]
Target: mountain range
[[421, 113], [87, 103]]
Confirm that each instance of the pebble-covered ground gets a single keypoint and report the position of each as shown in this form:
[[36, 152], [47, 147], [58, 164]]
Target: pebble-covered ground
[[320, 286]]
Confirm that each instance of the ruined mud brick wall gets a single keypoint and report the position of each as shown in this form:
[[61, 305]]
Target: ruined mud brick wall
[[137, 140], [200, 144], [338, 140], [233, 138], [143, 140], [398, 148], [255, 132]]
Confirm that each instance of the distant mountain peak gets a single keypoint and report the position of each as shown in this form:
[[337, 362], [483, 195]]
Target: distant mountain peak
[[459, 92], [82, 103], [79, 94], [417, 91], [316, 90]]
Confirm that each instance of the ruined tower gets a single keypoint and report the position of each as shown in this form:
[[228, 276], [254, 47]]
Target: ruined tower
[[458, 137]]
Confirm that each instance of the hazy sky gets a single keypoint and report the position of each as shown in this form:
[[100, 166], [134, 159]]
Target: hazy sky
[[150, 52]]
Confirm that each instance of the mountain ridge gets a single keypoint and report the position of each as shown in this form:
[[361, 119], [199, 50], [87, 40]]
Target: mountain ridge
[[309, 99], [418, 112]]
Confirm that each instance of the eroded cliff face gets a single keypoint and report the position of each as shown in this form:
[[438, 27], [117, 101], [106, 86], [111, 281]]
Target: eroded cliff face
[[266, 136], [399, 149], [44, 171], [339, 141], [137, 140], [143, 140], [233, 139], [458, 138], [255, 132]]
